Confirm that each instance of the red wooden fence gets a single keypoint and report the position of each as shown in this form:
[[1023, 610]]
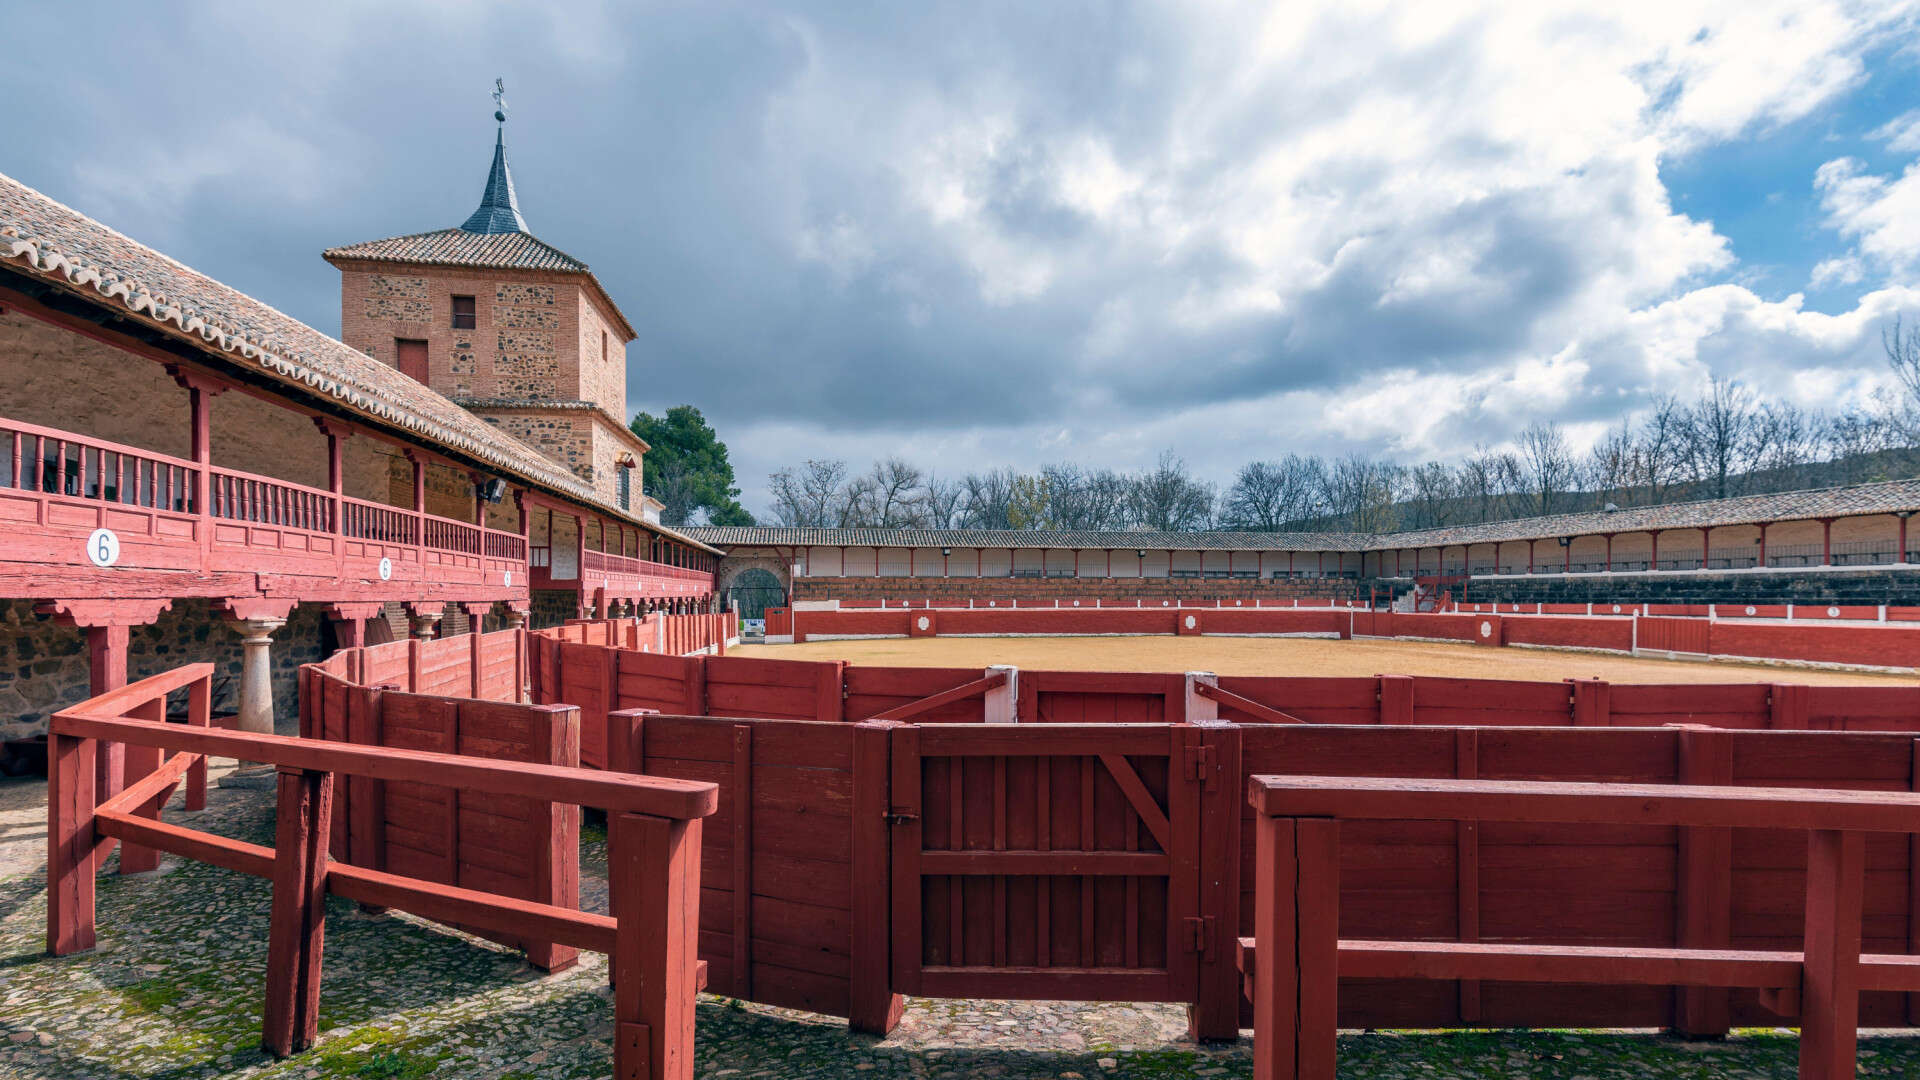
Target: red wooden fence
[[1814, 967], [653, 859]]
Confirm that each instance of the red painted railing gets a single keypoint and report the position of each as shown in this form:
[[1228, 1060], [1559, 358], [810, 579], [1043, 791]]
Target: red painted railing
[[56, 462], [46, 466], [654, 832], [608, 563]]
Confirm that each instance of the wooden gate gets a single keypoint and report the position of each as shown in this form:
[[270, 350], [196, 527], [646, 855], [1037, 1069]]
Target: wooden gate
[[1056, 861]]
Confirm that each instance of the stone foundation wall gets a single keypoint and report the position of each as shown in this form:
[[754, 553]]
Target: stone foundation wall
[[551, 607], [43, 664]]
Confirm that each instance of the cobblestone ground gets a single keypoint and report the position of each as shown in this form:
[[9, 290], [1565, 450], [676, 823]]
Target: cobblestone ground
[[174, 989]]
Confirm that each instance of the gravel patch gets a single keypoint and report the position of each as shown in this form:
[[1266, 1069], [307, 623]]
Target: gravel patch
[[174, 991]]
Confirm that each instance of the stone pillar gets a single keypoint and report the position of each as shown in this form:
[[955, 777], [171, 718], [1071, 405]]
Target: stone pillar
[[515, 618], [424, 623], [256, 696]]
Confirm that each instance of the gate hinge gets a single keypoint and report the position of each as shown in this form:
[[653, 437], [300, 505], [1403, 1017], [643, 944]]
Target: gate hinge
[[901, 817], [1201, 936], [1200, 765]]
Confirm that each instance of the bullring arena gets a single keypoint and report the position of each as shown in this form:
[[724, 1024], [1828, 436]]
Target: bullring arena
[[363, 719]]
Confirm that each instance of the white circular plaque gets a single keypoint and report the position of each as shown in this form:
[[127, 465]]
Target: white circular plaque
[[386, 569], [925, 622], [103, 547], [1486, 629], [508, 576], [1190, 622], [1833, 613], [1750, 609]]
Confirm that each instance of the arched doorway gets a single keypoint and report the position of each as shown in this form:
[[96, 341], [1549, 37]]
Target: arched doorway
[[755, 590]]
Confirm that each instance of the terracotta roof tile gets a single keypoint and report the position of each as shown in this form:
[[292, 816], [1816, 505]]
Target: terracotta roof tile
[[56, 243], [742, 536], [458, 247]]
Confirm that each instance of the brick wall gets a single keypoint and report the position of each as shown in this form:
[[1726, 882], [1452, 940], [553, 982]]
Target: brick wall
[[1199, 590]]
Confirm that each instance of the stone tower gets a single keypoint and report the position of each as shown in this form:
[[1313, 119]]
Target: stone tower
[[509, 326]]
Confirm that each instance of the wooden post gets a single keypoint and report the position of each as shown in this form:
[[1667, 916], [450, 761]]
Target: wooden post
[[1317, 907], [740, 795], [556, 828], [140, 762], [1704, 919], [1215, 1013], [1787, 707], [831, 699], [199, 714], [107, 670], [873, 1007], [364, 798], [1830, 983], [1396, 699], [298, 922], [1296, 925], [1591, 702], [653, 869], [1466, 838], [71, 844]]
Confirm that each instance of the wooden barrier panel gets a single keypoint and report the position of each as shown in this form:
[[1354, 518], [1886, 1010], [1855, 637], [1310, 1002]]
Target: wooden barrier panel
[[871, 691], [1078, 697], [774, 689]]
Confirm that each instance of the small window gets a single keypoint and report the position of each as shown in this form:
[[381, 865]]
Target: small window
[[411, 358], [603, 346], [463, 313], [626, 487]]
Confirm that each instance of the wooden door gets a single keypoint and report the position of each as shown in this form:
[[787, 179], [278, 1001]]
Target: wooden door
[[412, 359], [1055, 861]]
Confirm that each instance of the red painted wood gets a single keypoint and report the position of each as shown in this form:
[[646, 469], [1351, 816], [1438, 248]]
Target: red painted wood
[[298, 922], [873, 1006], [1704, 897], [653, 867], [1830, 986], [71, 843]]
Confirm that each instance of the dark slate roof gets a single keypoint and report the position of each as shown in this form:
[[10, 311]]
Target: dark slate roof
[[499, 210], [56, 243], [1882, 498], [750, 536]]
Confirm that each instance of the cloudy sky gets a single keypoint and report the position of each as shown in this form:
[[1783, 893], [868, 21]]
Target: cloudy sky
[[980, 234]]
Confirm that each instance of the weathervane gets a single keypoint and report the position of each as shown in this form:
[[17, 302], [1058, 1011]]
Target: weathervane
[[500, 100]]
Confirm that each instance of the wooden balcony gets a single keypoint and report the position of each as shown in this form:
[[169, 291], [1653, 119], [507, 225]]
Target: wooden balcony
[[171, 514], [623, 576]]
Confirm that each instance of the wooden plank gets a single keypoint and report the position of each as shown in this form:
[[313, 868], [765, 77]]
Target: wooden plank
[[1140, 799], [1608, 965], [1467, 869], [1603, 804], [905, 840], [71, 844], [666, 798], [1047, 863], [1830, 986], [554, 829], [1216, 1010], [298, 921], [654, 874], [1047, 984], [1317, 845], [1066, 740], [1704, 894], [872, 1006], [1275, 978], [741, 793]]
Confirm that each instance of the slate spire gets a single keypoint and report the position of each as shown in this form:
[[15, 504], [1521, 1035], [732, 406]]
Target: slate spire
[[499, 210]]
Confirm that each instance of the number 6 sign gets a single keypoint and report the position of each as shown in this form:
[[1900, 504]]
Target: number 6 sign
[[103, 547]]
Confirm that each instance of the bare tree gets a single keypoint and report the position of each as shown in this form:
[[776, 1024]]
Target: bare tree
[[1360, 493], [1786, 439], [989, 495], [1434, 496], [1662, 449], [1720, 437], [807, 496], [1611, 467], [1546, 467], [1268, 495], [1168, 499], [945, 502], [888, 496]]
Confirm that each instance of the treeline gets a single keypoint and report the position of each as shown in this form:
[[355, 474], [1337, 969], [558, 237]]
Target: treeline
[[1724, 443]]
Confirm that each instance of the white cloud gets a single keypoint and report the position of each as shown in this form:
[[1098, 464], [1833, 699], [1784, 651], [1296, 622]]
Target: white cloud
[[1902, 133], [1880, 214]]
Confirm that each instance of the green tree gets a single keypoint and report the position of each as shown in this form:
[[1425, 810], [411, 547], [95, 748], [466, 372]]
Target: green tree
[[687, 468]]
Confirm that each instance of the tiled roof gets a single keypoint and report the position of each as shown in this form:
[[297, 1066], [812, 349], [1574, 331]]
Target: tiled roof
[[458, 247], [1882, 498], [56, 243], [750, 536]]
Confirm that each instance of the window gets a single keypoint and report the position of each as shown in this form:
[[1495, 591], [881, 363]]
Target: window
[[626, 486], [603, 346], [411, 358], [463, 313]]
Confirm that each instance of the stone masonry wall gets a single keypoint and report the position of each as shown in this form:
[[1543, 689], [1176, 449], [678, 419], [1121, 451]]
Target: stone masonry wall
[[1865, 586], [43, 664]]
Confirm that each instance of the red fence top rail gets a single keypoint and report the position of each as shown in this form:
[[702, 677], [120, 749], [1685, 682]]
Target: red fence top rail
[[1594, 804], [678, 799]]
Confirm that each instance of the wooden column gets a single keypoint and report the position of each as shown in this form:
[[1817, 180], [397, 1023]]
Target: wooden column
[[556, 828], [298, 921], [653, 870], [1653, 551], [1763, 544], [1296, 924], [1826, 542], [873, 1007], [1830, 983], [1215, 1013]]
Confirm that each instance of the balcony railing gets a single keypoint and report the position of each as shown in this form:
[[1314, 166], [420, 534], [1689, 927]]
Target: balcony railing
[[605, 562], [77, 470]]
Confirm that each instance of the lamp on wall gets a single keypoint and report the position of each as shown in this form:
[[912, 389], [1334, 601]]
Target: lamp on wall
[[1142, 553], [946, 551], [495, 490], [1566, 541]]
